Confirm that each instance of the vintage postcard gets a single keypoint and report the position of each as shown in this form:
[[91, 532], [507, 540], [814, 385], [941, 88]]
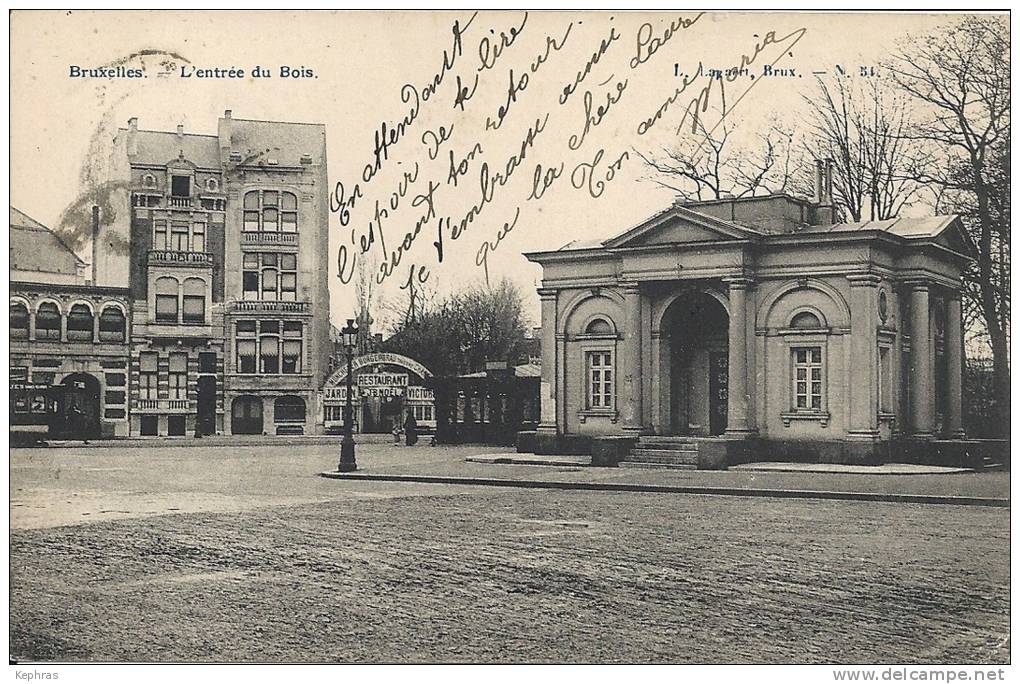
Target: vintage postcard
[[511, 337]]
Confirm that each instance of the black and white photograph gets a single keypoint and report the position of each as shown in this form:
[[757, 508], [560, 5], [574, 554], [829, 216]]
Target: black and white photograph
[[502, 337]]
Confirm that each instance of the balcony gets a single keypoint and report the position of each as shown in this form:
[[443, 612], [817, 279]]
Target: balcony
[[164, 257], [181, 202], [265, 306], [162, 406], [269, 238]]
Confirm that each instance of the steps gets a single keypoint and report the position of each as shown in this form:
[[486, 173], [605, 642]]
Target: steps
[[663, 452]]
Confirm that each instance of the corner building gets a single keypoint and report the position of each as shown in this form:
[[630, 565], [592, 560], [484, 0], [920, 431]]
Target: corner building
[[227, 273]]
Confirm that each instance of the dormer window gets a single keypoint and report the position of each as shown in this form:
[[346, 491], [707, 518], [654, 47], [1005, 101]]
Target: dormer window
[[180, 186]]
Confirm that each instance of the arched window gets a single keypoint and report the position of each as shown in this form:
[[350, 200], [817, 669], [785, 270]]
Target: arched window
[[212, 185], [19, 321], [270, 211], [79, 324], [251, 211], [149, 181], [599, 326], [194, 300], [805, 320], [112, 327], [47, 322], [166, 300], [289, 410]]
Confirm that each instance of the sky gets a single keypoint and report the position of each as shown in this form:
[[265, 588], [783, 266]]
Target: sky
[[541, 148]]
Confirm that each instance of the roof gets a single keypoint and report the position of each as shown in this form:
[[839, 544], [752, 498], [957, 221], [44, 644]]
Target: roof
[[526, 370], [160, 147], [903, 227], [34, 247], [924, 227], [282, 141]]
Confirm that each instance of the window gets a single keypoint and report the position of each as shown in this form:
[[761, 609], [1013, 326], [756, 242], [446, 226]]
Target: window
[[148, 365], [212, 185], [111, 325], [600, 379], [194, 300], [159, 235], [246, 347], [291, 347], [289, 409], [270, 211], [79, 324], [270, 276], [180, 186], [277, 345], [19, 321], [807, 378], [47, 322], [269, 354], [149, 181], [198, 237], [166, 300], [178, 375], [178, 237]]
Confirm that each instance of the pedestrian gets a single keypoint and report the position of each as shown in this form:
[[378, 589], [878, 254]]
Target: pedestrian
[[410, 430], [396, 430], [79, 424]]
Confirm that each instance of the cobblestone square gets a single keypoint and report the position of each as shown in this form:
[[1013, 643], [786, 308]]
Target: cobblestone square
[[243, 554]]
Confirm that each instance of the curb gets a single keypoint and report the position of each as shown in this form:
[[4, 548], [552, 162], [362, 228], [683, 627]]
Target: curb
[[678, 489]]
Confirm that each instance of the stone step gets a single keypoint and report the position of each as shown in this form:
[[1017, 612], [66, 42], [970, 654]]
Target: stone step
[[660, 439], [667, 447], [664, 456], [663, 466]]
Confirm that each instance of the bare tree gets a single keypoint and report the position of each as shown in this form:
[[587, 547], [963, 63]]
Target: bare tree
[[716, 164], [862, 128], [959, 81]]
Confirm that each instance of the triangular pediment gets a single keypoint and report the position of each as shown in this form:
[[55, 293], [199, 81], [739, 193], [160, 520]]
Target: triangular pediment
[[678, 225], [955, 238]]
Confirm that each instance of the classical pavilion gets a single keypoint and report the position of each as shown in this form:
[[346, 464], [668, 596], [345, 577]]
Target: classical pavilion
[[760, 324]]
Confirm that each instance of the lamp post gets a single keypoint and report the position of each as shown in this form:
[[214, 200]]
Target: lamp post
[[347, 462]]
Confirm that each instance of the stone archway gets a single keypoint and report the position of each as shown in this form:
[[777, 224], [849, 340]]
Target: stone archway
[[694, 366], [77, 407]]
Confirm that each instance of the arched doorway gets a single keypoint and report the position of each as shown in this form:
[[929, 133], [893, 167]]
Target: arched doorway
[[246, 416], [696, 326], [76, 408]]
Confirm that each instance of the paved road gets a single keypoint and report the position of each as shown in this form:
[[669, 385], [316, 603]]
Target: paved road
[[263, 561]]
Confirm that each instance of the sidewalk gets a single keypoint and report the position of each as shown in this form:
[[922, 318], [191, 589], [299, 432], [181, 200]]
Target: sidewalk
[[564, 472], [216, 441]]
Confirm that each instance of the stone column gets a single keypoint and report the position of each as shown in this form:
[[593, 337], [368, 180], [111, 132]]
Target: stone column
[[922, 363], [954, 367], [547, 395], [630, 397], [862, 375], [737, 419]]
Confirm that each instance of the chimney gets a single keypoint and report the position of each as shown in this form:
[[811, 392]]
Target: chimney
[[95, 241], [828, 181], [223, 132], [819, 181], [132, 136], [824, 211]]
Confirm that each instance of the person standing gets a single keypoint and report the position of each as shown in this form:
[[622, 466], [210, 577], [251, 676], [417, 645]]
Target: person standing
[[410, 429]]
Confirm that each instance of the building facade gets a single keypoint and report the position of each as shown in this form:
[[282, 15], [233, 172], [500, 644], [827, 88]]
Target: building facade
[[226, 269], [69, 341], [761, 322]]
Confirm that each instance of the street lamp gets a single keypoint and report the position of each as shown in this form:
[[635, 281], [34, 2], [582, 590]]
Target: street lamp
[[347, 462]]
